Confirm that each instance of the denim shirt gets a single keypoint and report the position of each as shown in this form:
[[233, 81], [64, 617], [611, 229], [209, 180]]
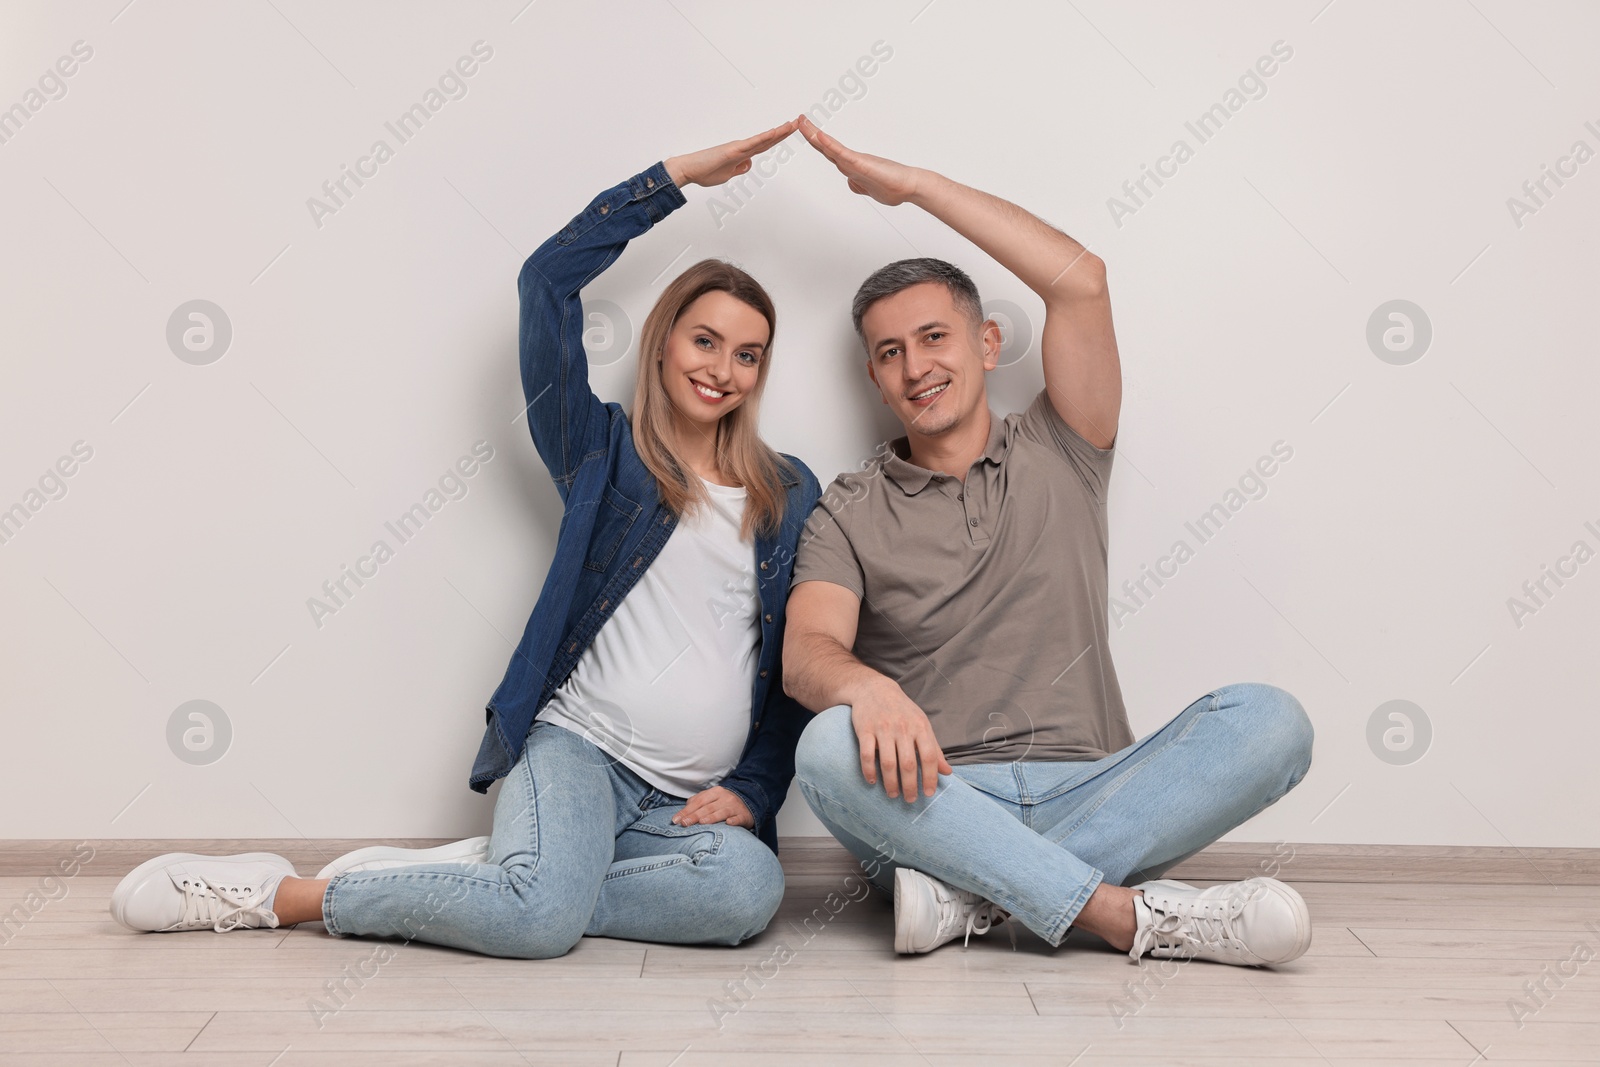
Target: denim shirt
[[614, 523]]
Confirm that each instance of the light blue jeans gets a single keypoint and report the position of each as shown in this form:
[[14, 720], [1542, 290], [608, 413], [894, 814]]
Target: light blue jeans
[[581, 846], [1038, 838]]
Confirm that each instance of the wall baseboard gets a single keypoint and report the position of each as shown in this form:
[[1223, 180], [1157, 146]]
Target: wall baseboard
[[823, 857], [1230, 860]]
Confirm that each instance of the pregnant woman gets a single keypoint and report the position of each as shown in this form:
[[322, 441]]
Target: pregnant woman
[[641, 728]]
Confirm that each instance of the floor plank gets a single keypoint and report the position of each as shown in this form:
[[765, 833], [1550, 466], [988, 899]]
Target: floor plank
[[1417, 974], [1537, 1039]]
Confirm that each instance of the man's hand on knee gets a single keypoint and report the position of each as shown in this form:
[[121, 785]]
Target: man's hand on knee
[[895, 734]]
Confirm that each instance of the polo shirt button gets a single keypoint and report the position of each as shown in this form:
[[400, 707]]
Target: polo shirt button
[[973, 522], [763, 564], [763, 674], [769, 618], [961, 496]]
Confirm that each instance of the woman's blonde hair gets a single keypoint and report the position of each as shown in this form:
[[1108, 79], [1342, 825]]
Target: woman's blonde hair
[[740, 452]]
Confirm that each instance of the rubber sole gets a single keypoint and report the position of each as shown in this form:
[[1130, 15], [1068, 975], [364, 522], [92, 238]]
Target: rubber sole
[[1302, 919], [905, 900]]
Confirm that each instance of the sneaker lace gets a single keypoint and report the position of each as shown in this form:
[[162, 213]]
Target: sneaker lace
[[223, 908], [980, 917], [1198, 925]]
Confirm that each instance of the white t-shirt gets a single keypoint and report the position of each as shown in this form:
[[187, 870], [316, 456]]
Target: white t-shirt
[[665, 687]]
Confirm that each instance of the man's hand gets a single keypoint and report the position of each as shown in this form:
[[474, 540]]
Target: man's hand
[[895, 733], [715, 805], [713, 166], [884, 180], [821, 672]]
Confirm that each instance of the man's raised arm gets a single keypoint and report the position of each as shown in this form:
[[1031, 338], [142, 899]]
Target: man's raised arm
[[1081, 369], [820, 671]]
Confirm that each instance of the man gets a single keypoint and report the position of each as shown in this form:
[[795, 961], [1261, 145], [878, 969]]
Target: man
[[948, 624]]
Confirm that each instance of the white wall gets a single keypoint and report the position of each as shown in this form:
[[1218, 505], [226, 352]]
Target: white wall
[[371, 351]]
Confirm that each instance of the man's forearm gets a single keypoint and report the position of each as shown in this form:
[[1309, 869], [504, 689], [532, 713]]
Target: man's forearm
[[1046, 260], [820, 673]]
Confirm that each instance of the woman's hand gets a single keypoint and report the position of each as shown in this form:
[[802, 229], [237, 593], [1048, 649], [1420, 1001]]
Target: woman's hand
[[713, 166], [884, 180], [715, 805]]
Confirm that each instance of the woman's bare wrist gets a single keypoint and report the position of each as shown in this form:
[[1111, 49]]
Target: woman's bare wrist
[[675, 171]]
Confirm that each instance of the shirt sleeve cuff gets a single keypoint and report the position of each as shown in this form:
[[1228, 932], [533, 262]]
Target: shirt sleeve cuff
[[753, 797], [655, 181]]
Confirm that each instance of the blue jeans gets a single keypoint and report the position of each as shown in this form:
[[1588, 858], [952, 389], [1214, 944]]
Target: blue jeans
[[581, 846], [1037, 838]]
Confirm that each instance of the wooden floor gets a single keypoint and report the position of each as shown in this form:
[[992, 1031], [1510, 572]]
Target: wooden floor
[[1414, 973]]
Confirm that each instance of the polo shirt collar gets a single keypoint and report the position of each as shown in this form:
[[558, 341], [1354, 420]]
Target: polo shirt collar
[[913, 479]]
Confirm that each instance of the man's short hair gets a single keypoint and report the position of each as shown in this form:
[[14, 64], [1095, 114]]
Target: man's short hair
[[903, 274]]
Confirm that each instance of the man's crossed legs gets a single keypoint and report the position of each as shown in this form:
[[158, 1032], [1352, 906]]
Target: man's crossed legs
[[1038, 839]]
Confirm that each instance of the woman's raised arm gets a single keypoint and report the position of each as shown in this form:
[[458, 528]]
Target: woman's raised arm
[[567, 421]]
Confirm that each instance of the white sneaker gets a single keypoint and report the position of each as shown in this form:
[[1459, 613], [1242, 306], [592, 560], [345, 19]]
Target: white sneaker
[[383, 857], [1250, 923], [182, 891], [928, 913]]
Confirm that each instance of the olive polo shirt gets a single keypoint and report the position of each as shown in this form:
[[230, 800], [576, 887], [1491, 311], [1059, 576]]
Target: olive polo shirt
[[985, 599]]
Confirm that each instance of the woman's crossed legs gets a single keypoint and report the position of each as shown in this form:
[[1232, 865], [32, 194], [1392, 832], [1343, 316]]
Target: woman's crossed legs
[[581, 846]]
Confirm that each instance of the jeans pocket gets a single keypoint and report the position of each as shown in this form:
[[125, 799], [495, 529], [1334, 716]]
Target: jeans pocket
[[658, 824]]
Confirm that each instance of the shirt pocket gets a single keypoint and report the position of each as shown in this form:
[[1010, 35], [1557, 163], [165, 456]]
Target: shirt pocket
[[614, 518]]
